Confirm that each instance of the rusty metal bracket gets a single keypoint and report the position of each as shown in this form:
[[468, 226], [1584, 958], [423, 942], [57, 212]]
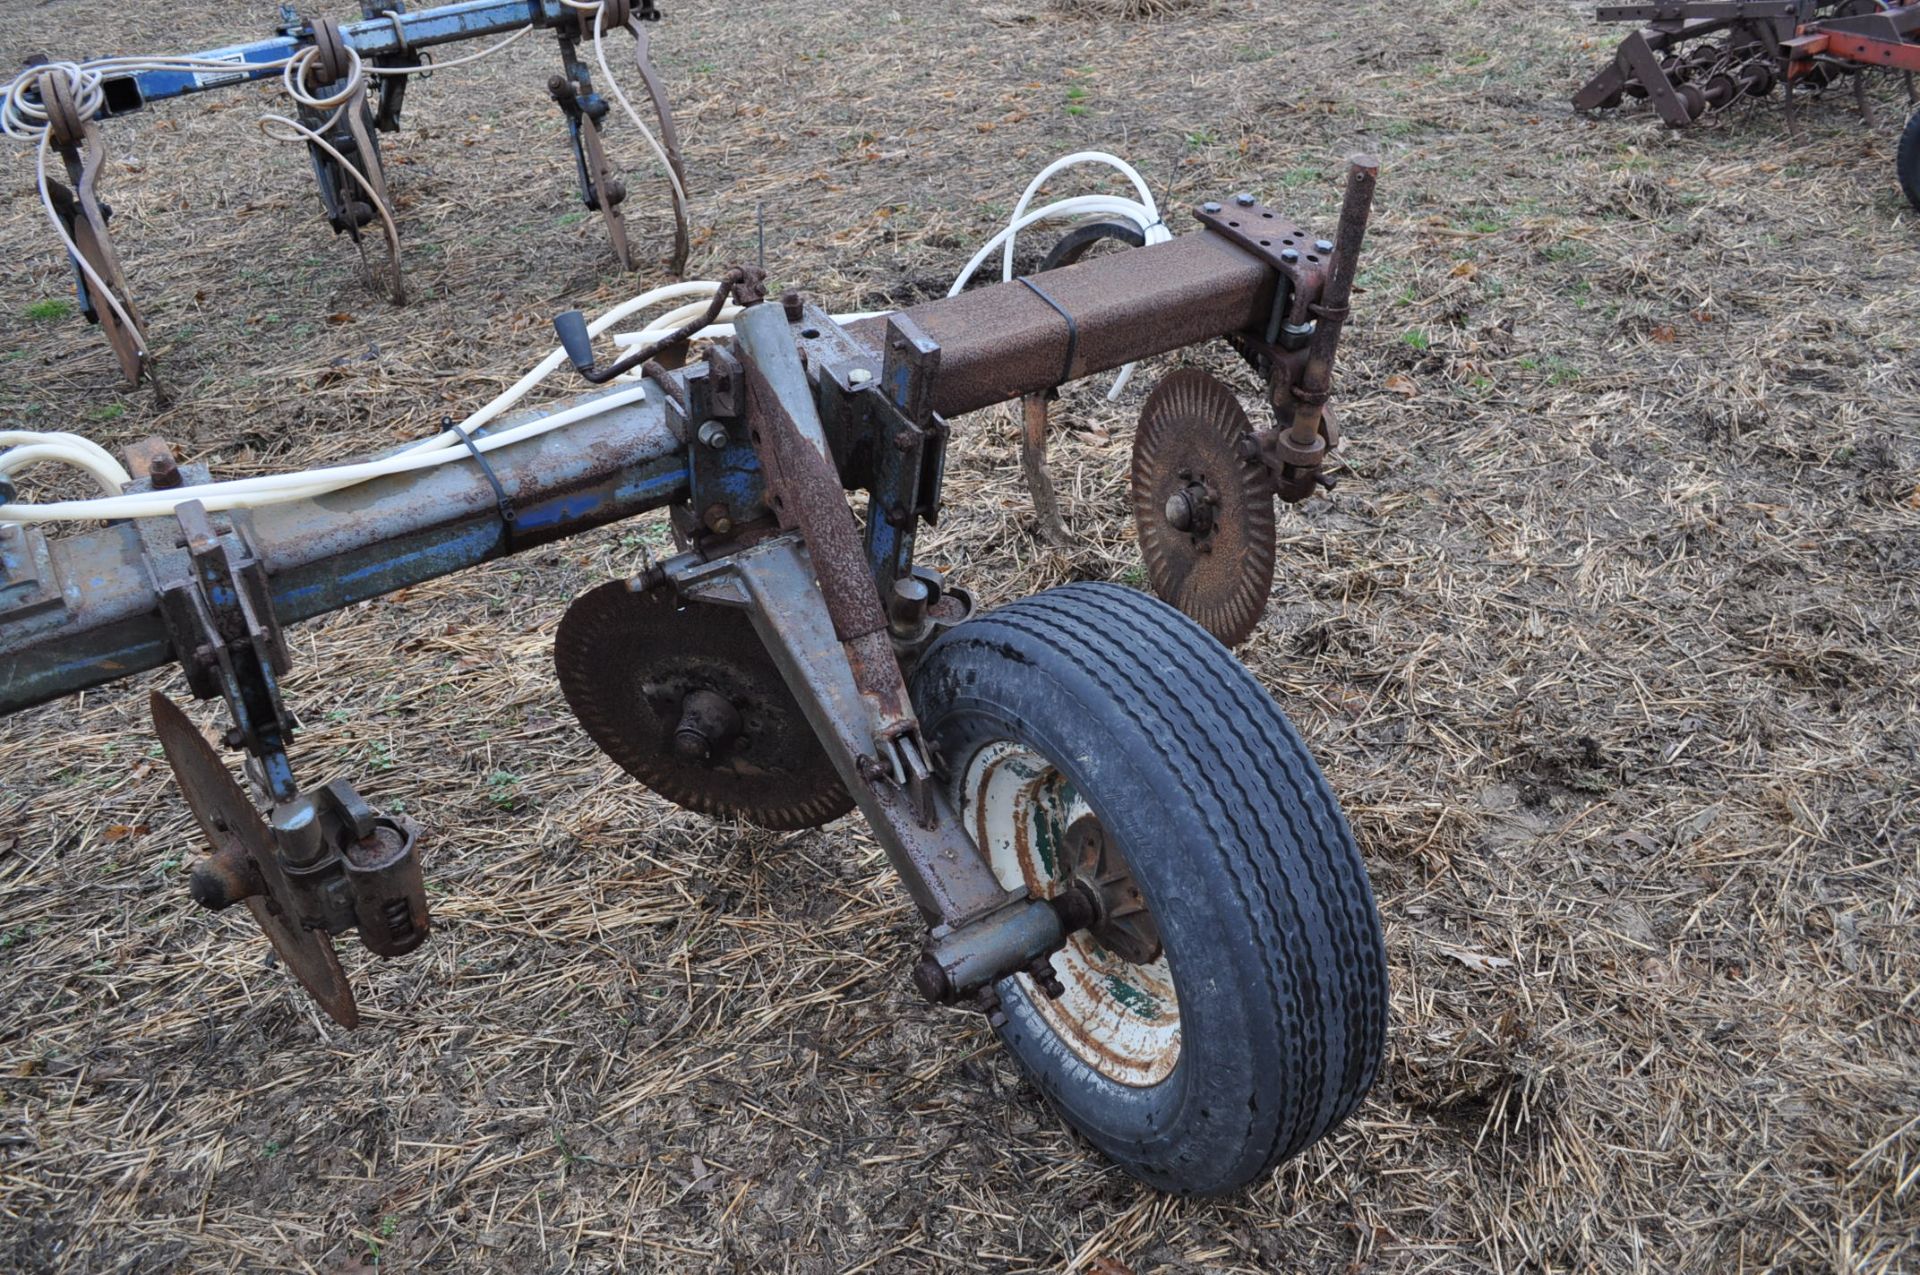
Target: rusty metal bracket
[[218, 612], [1301, 259], [85, 217], [29, 585]]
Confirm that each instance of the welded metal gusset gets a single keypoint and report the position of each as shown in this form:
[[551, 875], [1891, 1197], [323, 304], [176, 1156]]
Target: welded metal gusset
[[100, 286], [586, 110]]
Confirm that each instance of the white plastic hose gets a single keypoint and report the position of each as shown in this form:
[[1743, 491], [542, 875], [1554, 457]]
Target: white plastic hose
[[1143, 213], [18, 458], [251, 493]]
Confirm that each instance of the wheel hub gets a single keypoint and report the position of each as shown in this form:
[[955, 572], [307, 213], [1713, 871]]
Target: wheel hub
[[1116, 1006], [1101, 898], [1193, 508]]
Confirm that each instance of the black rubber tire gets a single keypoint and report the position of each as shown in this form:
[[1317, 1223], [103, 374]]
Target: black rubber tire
[[1240, 848], [1080, 240], [1909, 161]]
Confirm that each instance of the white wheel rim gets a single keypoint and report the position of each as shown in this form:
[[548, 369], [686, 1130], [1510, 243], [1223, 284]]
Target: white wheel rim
[[1121, 1019]]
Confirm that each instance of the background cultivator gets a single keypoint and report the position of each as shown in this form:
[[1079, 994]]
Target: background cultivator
[[348, 84], [1692, 58], [1122, 853]]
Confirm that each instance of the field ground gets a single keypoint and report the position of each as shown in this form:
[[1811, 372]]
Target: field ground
[[1608, 638]]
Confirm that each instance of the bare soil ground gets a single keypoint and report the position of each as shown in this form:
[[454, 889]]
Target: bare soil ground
[[1608, 639]]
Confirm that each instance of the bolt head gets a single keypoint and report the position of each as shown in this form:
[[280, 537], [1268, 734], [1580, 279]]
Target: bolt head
[[930, 980], [1210, 207], [1244, 199], [859, 376], [1289, 255], [1179, 511], [1323, 245], [713, 434]]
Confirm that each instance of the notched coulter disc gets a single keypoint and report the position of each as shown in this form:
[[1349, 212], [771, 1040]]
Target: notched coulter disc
[[235, 831], [1204, 513], [685, 697]]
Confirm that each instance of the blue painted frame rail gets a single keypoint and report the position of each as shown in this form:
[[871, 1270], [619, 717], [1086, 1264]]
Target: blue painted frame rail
[[374, 37]]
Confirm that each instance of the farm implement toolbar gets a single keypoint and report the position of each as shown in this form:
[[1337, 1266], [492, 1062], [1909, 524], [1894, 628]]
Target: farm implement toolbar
[[1122, 853], [348, 82], [1692, 58]]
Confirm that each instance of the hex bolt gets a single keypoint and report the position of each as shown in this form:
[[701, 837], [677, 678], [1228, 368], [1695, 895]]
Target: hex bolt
[[1210, 207], [718, 521], [859, 376], [165, 472], [1289, 255], [1043, 973], [713, 434], [1323, 245], [792, 305], [1244, 199]]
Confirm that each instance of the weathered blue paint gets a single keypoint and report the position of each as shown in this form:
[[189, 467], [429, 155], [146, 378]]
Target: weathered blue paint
[[446, 24]]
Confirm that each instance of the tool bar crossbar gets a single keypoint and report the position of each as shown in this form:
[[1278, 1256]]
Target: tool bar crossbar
[[370, 38], [329, 552]]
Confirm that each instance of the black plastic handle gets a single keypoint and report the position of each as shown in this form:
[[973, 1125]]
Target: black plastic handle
[[574, 339]]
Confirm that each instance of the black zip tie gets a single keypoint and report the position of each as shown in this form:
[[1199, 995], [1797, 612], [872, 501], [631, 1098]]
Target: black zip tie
[[1073, 329], [507, 516]]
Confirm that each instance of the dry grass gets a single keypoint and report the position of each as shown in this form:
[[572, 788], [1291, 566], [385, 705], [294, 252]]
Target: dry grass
[[1608, 638]]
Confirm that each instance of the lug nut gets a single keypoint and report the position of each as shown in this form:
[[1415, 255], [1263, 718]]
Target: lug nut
[[713, 434]]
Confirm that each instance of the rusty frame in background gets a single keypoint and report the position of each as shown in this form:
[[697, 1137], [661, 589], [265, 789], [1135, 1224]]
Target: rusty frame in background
[[1767, 43]]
